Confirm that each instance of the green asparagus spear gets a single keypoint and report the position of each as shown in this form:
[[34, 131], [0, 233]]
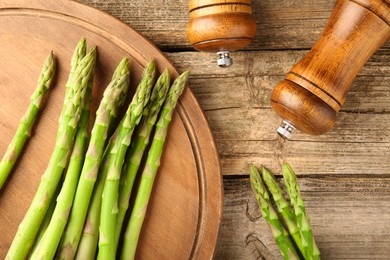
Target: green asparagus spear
[[138, 146], [303, 222], [283, 207], [87, 247], [280, 234], [52, 236], [29, 227], [27, 122], [109, 208], [113, 99], [46, 221], [152, 164], [89, 239]]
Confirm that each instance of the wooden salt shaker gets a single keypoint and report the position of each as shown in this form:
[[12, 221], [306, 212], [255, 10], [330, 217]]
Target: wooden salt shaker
[[221, 26], [316, 87]]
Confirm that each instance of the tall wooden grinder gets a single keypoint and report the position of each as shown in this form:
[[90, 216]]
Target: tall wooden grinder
[[315, 88]]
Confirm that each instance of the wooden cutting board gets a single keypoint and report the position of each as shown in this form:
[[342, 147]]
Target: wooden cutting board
[[185, 210]]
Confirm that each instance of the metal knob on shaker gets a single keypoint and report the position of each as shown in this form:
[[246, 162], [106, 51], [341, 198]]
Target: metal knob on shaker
[[315, 88], [221, 26]]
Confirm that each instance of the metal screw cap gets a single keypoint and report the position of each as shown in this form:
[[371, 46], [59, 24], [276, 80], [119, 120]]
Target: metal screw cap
[[224, 59], [286, 130]]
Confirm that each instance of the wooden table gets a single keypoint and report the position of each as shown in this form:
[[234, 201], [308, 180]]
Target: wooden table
[[344, 175]]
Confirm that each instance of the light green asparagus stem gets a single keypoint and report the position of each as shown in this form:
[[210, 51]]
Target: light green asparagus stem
[[89, 239], [283, 207], [26, 124], [52, 237], [280, 234], [138, 146], [46, 221], [303, 222], [131, 119], [29, 227], [113, 98], [152, 164]]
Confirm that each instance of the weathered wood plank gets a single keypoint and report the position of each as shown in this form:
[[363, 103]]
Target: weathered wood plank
[[280, 24], [349, 217], [250, 80], [252, 124], [358, 144], [236, 101]]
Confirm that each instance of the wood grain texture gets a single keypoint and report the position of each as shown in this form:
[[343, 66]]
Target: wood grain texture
[[236, 102], [255, 74], [284, 24]]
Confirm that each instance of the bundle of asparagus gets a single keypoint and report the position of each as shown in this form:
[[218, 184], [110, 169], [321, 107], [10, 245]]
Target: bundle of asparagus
[[67, 128], [69, 209], [293, 214]]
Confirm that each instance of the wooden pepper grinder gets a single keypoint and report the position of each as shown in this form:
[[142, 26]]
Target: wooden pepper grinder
[[316, 87], [221, 26]]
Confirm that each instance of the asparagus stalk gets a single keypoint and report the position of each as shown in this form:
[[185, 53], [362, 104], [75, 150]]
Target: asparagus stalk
[[138, 146], [26, 124], [52, 236], [152, 164], [109, 208], [112, 101], [45, 223], [303, 222], [90, 236], [29, 227], [283, 207], [278, 231]]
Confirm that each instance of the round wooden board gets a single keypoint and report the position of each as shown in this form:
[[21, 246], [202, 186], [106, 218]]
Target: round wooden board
[[184, 214]]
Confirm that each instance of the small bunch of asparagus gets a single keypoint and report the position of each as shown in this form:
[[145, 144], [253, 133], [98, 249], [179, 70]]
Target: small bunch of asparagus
[[294, 215], [76, 101], [72, 217]]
